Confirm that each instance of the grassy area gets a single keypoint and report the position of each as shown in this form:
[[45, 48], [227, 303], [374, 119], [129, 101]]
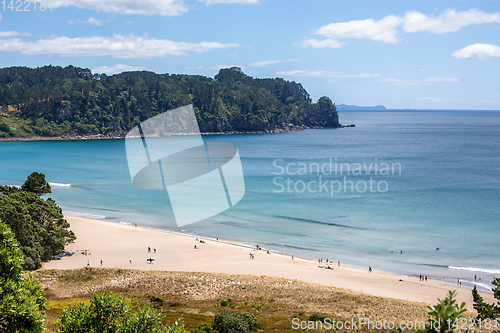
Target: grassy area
[[11, 126], [197, 297]]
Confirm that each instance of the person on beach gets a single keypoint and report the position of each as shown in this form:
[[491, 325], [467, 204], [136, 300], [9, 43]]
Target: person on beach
[[88, 263], [195, 246], [149, 249], [130, 260], [369, 269], [426, 278], [338, 263], [154, 250], [292, 257], [101, 262]]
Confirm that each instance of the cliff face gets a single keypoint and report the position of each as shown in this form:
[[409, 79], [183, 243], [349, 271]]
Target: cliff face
[[55, 101]]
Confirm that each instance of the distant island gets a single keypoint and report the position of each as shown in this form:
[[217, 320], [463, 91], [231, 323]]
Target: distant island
[[74, 103], [345, 107]]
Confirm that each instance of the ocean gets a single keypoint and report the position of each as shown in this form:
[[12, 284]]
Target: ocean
[[386, 193]]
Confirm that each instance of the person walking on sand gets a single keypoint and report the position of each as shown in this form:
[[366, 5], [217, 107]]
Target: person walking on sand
[[369, 269], [88, 263], [101, 262], [149, 249], [338, 263]]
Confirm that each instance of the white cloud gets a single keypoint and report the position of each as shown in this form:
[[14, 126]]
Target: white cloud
[[388, 29], [478, 51], [384, 30], [118, 46], [449, 21], [8, 34], [307, 73], [266, 63], [91, 20], [240, 2], [415, 82], [119, 68], [142, 7], [318, 44]]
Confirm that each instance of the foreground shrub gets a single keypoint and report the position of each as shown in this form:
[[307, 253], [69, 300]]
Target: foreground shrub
[[231, 322], [109, 313], [444, 315]]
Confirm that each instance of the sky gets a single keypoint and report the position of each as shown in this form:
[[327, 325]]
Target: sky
[[402, 54]]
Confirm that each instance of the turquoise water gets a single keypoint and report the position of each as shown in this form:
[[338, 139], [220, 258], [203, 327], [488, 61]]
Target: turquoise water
[[435, 182]]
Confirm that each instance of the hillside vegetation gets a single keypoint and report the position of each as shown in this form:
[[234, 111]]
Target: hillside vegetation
[[55, 101]]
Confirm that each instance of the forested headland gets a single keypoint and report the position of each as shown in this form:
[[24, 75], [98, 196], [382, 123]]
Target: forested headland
[[55, 101]]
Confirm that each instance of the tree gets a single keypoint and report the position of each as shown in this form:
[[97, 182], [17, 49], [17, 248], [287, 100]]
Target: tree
[[39, 225], [485, 310], [37, 184], [55, 101], [444, 316], [21, 300], [110, 313]]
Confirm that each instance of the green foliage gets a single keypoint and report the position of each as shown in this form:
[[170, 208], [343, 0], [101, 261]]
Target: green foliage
[[485, 310], [155, 298], [21, 300], [256, 306], [228, 302], [37, 184], [109, 313], [317, 317], [231, 322], [38, 224], [444, 315], [53, 101], [205, 328]]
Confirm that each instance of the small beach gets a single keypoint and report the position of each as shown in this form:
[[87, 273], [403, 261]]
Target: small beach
[[126, 246]]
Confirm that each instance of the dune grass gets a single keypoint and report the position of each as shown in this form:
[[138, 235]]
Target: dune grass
[[197, 297]]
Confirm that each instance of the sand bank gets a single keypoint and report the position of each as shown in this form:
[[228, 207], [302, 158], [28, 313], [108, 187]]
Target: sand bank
[[125, 246]]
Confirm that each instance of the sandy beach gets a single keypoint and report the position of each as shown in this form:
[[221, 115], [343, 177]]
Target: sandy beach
[[126, 246]]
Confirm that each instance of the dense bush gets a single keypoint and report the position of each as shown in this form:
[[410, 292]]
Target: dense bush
[[231, 322], [110, 313], [52, 101], [21, 300], [39, 225]]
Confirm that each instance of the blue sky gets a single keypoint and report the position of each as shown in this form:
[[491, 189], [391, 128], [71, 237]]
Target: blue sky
[[402, 54]]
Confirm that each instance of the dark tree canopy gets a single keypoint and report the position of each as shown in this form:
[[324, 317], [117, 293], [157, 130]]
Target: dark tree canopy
[[485, 310], [21, 300], [37, 184], [52, 101], [38, 224]]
